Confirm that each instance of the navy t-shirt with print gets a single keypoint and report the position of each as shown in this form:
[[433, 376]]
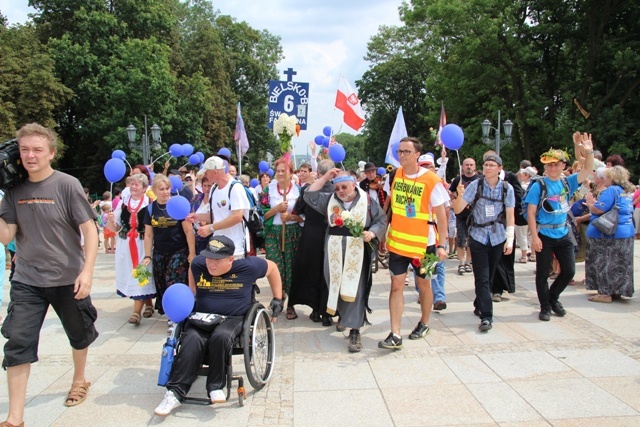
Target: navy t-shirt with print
[[231, 293]]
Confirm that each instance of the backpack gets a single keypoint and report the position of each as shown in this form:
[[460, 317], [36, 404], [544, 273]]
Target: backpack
[[543, 195], [255, 220], [471, 222]]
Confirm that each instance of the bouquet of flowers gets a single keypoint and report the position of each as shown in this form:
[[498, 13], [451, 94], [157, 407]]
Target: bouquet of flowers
[[284, 128], [142, 273], [355, 227], [426, 264]]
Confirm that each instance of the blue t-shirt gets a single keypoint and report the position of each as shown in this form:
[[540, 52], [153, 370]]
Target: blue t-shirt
[[552, 211], [625, 213], [231, 293]]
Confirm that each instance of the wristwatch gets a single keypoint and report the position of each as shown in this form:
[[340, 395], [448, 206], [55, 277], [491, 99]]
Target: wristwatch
[[211, 228], [440, 247]]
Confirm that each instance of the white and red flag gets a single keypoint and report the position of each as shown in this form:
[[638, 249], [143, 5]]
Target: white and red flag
[[443, 123], [347, 100]]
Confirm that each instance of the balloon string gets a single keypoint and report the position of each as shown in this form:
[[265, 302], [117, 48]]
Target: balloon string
[[342, 166], [125, 160], [459, 165], [168, 152]]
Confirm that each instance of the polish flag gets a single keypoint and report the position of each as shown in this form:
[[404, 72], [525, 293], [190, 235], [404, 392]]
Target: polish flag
[[347, 101]]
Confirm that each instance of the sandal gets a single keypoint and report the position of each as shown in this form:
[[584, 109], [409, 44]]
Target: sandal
[[531, 258], [134, 319], [6, 424], [291, 313], [600, 298], [148, 311], [77, 394], [522, 260], [467, 268], [461, 269]]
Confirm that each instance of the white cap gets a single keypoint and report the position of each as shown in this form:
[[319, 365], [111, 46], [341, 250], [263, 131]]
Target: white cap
[[213, 163], [426, 158]]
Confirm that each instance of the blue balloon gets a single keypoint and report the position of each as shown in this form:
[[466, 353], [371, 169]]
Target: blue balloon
[[270, 172], [254, 183], [224, 151], [176, 183], [325, 141], [394, 151], [337, 153], [194, 159], [381, 171], [119, 154], [326, 131], [201, 156], [175, 150], [178, 207], [318, 139], [187, 150], [263, 166], [114, 170], [226, 166], [452, 136], [177, 302]]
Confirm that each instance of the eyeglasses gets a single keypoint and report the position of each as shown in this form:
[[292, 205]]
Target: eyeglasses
[[405, 152], [341, 187]]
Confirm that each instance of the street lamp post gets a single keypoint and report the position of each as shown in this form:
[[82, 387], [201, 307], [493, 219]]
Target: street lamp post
[[486, 130], [144, 144]]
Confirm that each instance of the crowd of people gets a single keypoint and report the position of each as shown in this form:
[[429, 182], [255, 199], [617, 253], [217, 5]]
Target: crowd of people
[[323, 229]]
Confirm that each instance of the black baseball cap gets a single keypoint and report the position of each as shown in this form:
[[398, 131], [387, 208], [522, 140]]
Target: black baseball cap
[[219, 247]]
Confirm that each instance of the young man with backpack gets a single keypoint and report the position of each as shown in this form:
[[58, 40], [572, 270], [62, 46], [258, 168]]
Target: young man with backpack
[[547, 204], [491, 204]]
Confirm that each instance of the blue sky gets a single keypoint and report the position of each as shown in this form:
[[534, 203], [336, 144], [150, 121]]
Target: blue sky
[[320, 40]]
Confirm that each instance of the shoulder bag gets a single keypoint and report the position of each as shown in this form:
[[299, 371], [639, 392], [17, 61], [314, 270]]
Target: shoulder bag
[[607, 223]]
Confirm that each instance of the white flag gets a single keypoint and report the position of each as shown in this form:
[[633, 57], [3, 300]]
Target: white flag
[[399, 131]]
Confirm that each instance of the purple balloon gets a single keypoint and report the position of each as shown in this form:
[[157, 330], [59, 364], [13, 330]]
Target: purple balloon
[[177, 302], [114, 170], [337, 153], [178, 207], [175, 150], [326, 131], [452, 136], [187, 150], [119, 154], [176, 183], [194, 159]]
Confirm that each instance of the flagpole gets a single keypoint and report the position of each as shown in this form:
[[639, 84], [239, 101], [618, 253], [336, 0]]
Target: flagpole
[[237, 141]]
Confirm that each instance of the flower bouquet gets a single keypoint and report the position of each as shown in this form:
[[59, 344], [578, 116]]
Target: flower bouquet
[[284, 128], [355, 227], [142, 273], [426, 265]]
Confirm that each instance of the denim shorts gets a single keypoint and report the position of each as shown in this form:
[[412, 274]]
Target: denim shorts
[[26, 313], [399, 264]]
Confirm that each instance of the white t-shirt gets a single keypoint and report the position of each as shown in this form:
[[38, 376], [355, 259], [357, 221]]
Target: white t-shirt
[[220, 203], [275, 198], [439, 196]]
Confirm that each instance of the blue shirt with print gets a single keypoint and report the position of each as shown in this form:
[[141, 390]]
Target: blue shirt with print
[[553, 213], [605, 202], [494, 234]]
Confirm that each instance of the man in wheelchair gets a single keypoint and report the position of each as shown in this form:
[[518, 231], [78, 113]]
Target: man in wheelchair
[[222, 286]]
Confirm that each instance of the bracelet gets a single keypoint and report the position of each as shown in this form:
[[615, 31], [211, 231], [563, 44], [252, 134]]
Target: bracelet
[[211, 228], [440, 247], [146, 258]]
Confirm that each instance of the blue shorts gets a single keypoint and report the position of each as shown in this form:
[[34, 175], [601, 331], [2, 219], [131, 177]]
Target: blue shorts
[[26, 313]]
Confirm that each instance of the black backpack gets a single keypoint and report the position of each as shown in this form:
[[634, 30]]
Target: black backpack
[[502, 216], [543, 195], [255, 220]]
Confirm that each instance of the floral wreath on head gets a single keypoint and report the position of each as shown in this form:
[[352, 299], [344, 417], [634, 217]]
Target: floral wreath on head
[[555, 155]]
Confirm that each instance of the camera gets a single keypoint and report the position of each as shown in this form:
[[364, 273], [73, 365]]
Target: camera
[[12, 171]]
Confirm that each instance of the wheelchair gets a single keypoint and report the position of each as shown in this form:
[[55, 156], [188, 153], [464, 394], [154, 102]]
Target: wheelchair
[[256, 343]]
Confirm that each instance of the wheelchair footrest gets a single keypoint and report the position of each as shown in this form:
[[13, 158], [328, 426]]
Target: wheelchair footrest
[[197, 401]]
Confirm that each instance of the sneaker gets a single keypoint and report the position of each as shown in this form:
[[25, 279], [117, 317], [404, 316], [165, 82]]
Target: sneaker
[[392, 342], [340, 328], [168, 404], [496, 297], [461, 269], [545, 315], [485, 325], [467, 268], [439, 305], [355, 342], [217, 396], [558, 309], [421, 330]]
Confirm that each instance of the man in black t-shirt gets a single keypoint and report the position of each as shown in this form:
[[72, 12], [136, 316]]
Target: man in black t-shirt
[[222, 286], [466, 177]]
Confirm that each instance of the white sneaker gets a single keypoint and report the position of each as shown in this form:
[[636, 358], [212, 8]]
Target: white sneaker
[[168, 404], [218, 396]]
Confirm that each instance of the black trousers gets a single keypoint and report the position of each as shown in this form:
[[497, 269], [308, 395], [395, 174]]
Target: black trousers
[[563, 250], [485, 262], [198, 347]]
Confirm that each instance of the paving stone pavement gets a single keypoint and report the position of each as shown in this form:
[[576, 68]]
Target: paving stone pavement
[[580, 370]]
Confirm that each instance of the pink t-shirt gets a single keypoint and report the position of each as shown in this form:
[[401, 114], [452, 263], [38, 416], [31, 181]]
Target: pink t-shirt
[[635, 196]]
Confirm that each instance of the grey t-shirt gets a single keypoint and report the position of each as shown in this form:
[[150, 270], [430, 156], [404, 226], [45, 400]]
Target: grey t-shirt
[[48, 214]]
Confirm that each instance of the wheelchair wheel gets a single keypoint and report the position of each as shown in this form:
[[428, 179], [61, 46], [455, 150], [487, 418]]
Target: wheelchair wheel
[[258, 343]]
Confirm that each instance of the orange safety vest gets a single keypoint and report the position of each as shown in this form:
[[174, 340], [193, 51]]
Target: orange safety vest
[[410, 236]]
